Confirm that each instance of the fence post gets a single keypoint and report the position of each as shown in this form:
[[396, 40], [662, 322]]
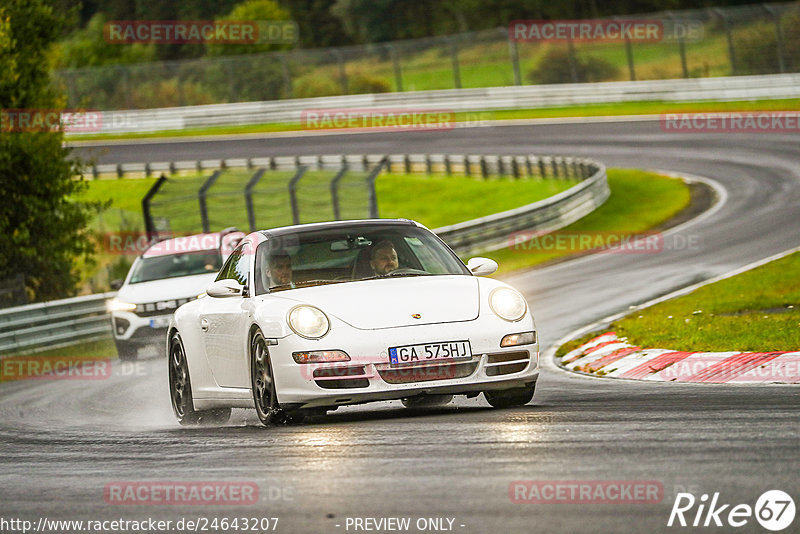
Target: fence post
[[731, 50], [335, 191], [398, 74], [513, 51], [248, 198], [342, 72], [149, 226], [681, 47], [287, 76], [373, 197], [573, 68], [293, 193], [778, 36], [629, 53], [454, 59], [201, 196]]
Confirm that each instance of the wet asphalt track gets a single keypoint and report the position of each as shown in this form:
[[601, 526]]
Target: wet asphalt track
[[62, 442]]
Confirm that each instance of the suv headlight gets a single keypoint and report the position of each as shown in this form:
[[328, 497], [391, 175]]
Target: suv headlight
[[507, 304], [117, 305], [308, 321]]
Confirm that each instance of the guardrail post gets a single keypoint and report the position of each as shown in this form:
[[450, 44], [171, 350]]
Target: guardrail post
[[428, 165], [564, 168], [201, 196], [484, 168], [542, 168], [529, 165], [120, 174], [365, 162], [248, 198], [554, 165], [447, 169], [95, 172], [454, 59], [467, 167], [273, 164], [199, 167], [293, 193], [335, 191], [149, 226], [514, 167], [407, 161], [320, 162], [147, 171], [172, 169], [501, 168], [373, 197]]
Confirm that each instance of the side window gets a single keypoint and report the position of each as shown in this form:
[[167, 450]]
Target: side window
[[236, 267]]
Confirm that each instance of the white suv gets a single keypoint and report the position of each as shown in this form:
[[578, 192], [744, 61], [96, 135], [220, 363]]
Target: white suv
[[168, 274]]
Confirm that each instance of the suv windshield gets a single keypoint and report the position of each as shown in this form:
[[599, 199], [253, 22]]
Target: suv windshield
[[175, 265], [351, 253]]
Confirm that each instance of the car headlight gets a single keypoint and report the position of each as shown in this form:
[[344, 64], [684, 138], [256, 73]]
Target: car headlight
[[507, 304], [308, 321], [120, 306]]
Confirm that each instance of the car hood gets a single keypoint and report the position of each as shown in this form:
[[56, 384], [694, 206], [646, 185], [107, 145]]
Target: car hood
[[166, 289], [389, 303]]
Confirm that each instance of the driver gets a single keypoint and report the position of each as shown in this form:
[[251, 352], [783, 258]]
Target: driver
[[280, 269], [383, 258]]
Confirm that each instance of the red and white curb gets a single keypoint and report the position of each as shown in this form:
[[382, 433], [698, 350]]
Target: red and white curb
[[609, 355]]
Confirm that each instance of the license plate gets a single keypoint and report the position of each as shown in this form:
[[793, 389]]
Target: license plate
[[429, 352], [160, 322]]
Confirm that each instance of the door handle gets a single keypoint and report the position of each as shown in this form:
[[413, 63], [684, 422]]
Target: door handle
[[204, 324]]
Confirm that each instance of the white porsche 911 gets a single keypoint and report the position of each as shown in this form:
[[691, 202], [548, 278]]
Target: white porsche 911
[[303, 319]]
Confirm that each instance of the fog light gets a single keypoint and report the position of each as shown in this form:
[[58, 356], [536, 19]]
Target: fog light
[[321, 356], [523, 338]]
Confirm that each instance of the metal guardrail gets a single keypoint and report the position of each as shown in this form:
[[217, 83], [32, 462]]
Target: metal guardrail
[[64, 322], [54, 324], [458, 100], [494, 231]]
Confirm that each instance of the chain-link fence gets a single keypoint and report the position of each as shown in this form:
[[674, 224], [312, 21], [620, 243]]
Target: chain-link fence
[[756, 39]]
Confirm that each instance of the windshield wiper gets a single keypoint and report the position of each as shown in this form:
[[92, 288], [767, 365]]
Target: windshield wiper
[[307, 283]]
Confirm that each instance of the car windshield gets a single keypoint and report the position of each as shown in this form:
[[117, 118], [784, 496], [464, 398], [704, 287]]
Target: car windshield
[[175, 265], [351, 253]]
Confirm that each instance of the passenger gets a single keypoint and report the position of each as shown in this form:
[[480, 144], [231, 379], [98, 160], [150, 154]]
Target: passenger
[[383, 258]]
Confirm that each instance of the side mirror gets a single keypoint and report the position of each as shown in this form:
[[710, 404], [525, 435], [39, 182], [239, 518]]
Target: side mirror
[[481, 266], [225, 288], [116, 284]]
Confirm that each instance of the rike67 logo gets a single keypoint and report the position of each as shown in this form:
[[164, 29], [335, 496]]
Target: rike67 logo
[[774, 510]]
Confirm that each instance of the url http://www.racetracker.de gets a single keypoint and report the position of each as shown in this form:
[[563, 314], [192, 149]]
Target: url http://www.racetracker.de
[[184, 524]]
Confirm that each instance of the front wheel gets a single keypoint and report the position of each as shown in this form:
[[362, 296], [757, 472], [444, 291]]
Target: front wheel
[[180, 390], [510, 398]]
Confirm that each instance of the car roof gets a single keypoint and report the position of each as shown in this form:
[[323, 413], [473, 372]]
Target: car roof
[[284, 230]]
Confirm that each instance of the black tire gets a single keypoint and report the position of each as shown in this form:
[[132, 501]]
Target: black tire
[[265, 397], [180, 390], [510, 398], [426, 401], [127, 351]]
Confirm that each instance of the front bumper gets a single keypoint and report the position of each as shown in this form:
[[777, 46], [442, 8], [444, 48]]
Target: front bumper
[[369, 376], [128, 327]]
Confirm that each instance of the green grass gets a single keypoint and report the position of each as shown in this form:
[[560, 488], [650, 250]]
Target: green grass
[[590, 110], [758, 310], [639, 201]]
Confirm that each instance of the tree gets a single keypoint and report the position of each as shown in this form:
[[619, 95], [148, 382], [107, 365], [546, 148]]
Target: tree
[[43, 229]]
